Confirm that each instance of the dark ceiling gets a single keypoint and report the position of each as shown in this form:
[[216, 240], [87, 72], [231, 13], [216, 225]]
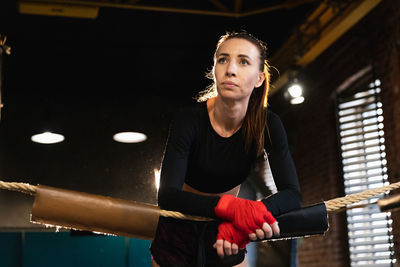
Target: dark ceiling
[[126, 70]]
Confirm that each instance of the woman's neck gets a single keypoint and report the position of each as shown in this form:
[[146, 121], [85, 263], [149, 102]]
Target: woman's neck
[[226, 116]]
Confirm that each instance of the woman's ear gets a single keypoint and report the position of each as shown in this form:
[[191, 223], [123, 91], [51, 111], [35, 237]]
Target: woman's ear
[[261, 78]]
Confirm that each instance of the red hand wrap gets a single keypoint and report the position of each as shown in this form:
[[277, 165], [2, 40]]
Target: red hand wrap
[[226, 231], [246, 215]]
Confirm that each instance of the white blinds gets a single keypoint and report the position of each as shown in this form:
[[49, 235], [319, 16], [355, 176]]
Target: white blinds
[[361, 133]]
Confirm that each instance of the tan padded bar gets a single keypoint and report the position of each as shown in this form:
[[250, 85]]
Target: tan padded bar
[[90, 212], [391, 203]]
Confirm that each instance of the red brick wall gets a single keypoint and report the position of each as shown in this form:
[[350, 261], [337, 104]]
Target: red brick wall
[[389, 69], [311, 126]]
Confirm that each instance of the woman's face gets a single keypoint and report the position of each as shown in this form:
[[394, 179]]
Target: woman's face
[[237, 69]]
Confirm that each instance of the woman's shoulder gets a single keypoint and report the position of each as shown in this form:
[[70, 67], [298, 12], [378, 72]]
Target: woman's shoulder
[[272, 118], [192, 108], [276, 130]]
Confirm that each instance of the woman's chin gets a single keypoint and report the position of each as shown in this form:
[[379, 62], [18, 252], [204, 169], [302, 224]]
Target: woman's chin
[[232, 95]]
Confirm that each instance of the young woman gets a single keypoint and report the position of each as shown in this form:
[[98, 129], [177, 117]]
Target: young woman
[[209, 153]]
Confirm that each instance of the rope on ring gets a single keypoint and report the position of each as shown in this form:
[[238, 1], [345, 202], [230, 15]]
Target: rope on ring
[[31, 190], [20, 187], [337, 203], [331, 205], [179, 215]]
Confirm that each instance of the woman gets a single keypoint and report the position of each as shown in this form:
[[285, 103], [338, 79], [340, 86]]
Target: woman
[[209, 152]]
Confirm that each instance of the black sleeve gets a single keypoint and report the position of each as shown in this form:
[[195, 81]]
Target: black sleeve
[[283, 169], [173, 170]]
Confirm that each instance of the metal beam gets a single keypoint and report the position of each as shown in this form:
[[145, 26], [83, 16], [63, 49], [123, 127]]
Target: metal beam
[[276, 7], [132, 5], [126, 5], [220, 6], [319, 31], [350, 17], [62, 10]]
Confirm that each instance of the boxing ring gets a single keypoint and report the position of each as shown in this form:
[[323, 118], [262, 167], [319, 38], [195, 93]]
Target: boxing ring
[[61, 208]]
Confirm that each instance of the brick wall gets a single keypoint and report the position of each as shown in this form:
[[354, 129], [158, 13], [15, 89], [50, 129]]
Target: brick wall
[[311, 126]]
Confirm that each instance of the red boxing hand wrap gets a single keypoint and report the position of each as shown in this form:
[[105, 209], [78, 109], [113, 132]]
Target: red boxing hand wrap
[[246, 215], [227, 232]]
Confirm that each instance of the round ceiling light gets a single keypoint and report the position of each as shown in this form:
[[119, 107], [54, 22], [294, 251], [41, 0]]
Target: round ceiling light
[[295, 90], [47, 138], [297, 100], [129, 137]]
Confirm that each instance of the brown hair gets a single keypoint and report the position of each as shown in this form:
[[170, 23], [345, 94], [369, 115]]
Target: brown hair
[[255, 121]]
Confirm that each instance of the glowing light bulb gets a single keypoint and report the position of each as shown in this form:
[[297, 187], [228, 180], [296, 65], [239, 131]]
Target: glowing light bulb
[[129, 137], [297, 100], [47, 138], [295, 90]]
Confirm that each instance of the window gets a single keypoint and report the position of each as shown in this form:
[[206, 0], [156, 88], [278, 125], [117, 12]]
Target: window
[[362, 142]]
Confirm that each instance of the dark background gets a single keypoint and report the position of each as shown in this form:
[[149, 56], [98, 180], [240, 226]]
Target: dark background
[[127, 70], [68, 75]]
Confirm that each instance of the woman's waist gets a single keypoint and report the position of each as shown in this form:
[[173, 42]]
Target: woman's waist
[[234, 191]]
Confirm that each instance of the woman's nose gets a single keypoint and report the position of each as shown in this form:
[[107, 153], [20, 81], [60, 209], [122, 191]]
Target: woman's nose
[[231, 69]]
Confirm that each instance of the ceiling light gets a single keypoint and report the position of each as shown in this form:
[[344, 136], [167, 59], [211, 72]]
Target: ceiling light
[[294, 93], [129, 137], [295, 90], [297, 100], [47, 138]]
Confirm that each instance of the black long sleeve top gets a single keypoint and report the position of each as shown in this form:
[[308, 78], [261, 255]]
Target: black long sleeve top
[[196, 155]]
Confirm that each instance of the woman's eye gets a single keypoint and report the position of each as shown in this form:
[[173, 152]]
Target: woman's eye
[[221, 60], [244, 62]]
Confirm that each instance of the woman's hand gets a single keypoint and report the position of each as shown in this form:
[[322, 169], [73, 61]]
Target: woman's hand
[[267, 231], [230, 240], [250, 217]]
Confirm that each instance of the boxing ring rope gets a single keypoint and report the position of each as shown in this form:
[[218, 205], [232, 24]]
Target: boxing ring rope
[[31, 190], [20, 187], [331, 205], [341, 202]]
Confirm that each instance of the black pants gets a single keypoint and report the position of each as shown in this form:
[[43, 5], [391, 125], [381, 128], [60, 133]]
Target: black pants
[[183, 243]]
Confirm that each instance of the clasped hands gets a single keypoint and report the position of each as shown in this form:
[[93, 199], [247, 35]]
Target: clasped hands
[[244, 220]]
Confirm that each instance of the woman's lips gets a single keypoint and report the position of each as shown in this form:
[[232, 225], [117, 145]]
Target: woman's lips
[[229, 84]]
